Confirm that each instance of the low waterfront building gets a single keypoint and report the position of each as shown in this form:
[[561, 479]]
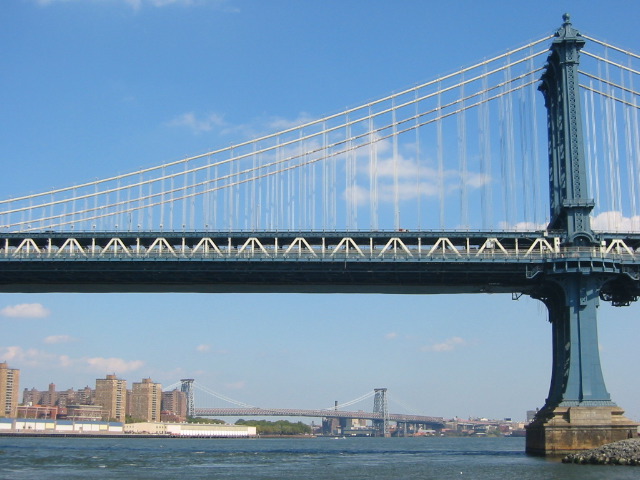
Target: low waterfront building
[[91, 413], [47, 426], [191, 429], [37, 411], [210, 430]]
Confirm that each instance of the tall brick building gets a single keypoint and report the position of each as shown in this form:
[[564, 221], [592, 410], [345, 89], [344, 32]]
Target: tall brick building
[[9, 390], [146, 399], [111, 394]]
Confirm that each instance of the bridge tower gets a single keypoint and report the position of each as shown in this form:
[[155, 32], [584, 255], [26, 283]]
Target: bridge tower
[[578, 412], [380, 406], [187, 388]]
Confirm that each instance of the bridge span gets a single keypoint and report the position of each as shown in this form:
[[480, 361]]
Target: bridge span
[[432, 422]]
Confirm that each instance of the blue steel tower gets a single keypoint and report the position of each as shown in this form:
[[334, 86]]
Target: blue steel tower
[[578, 409]]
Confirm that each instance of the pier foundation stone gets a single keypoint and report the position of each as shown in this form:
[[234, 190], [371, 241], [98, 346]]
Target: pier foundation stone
[[564, 430]]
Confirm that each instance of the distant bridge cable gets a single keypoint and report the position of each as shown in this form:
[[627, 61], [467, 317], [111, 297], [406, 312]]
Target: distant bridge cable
[[221, 396], [351, 402], [393, 399]]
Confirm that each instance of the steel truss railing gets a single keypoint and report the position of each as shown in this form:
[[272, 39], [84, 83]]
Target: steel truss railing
[[269, 246]]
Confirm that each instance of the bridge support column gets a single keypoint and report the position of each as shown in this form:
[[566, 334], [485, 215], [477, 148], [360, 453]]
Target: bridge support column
[[578, 413]]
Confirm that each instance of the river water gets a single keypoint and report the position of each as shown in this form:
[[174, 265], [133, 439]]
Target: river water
[[313, 458]]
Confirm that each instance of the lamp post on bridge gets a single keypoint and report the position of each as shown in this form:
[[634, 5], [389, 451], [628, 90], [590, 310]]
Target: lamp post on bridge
[[578, 413]]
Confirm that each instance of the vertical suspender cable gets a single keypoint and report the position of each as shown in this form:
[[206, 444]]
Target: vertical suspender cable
[[594, 145], [636, 143], [533, 94], [396, 185], [440, 158], [462, 162], [325, 178], [524, 155], [511, 157], [484, 119], [418, 161], [349, 193], [373, 181], [628, 145]]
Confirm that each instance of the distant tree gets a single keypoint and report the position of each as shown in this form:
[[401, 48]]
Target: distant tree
[[205, 420], [279, 427]]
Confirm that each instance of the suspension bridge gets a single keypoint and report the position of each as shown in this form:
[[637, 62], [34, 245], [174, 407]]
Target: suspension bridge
[[335, 419], [439, 188]]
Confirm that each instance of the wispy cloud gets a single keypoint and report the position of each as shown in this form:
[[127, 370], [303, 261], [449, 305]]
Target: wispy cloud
[[391, 335], [25, 310], [205, 348], [236, 385], [52, 339], [197, 124], [32, 357], [113, 364], [446, 346], [614, 221], [221, 5]]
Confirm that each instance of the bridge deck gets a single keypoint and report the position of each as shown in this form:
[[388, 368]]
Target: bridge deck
[[284, 412], [336, 262]]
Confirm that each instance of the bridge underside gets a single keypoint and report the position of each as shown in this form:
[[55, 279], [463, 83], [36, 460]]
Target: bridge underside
[[262, 277]]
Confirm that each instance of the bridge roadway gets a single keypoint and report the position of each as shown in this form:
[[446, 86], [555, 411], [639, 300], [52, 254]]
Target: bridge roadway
[[435, 422], [318, 262]]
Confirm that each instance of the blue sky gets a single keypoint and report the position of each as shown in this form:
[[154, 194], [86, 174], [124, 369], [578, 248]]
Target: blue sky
[[91, 88]]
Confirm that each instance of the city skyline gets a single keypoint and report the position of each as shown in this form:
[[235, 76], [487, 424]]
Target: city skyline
[[136, 83]]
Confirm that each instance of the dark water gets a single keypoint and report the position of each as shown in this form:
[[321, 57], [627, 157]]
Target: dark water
[[319, 458]]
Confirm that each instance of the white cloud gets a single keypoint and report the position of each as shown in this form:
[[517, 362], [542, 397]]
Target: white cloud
[[203, 348], [112, 364], [236, 385], [522, 226], [391, 335], [198, 125], [25, 310], [615, 222], [222, 5], [32, 357], [446, 346], [280, 123], [51, 339]]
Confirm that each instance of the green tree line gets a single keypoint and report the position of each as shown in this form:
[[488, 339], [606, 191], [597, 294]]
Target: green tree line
[[279, 427]]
